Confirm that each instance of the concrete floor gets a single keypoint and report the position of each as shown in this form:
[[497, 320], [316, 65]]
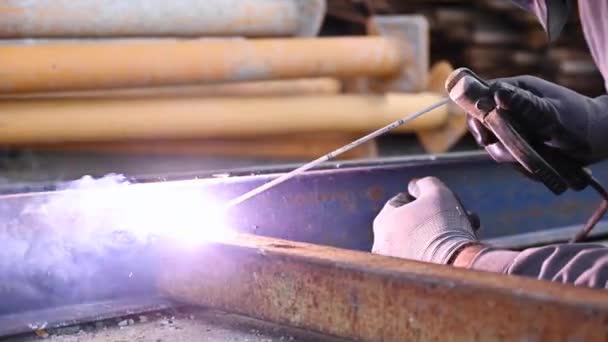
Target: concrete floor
[[188, 324]]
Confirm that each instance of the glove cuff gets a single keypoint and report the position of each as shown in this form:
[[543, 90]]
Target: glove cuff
[[446, 246], [437, 239]]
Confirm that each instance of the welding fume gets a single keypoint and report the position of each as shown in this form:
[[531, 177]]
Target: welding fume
[[65, 246]]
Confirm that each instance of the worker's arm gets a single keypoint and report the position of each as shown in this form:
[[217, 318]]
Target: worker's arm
[[578, 264], [434, 227]]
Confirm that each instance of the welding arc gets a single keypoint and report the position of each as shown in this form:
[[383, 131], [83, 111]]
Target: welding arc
[[287, 176]]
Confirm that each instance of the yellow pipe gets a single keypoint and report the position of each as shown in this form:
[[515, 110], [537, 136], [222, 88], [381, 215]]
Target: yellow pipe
[[103, 65], [43, 121], [94, 18], [302, 86]]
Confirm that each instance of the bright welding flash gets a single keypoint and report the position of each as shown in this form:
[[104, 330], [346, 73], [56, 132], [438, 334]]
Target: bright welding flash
[[198, 221], [182, 212], [191, 216]]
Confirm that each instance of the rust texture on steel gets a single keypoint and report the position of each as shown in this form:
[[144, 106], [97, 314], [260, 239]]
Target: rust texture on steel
[[93, 18], [156, 62], [369, 297]]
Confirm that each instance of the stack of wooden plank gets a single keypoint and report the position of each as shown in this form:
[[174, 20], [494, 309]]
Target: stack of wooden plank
[[493, 37]]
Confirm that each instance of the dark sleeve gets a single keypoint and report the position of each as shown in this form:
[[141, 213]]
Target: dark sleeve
[[597, 127], [580, 264]]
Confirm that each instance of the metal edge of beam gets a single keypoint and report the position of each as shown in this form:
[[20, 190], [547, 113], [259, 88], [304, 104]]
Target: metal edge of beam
[[267, 172], [368, 164], [545, 237], [369, 297]]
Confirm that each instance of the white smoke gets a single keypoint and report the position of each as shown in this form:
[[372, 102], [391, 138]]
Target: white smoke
[[58, 244]]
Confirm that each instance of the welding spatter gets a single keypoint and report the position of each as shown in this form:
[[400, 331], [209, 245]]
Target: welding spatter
[[287, 176]]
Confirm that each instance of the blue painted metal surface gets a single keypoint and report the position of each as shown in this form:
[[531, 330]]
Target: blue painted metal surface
[[336, 206]]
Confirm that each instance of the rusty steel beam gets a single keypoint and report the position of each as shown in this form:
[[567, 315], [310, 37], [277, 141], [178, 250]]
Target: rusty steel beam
[[156, 62], [369, 297], [93, 18], [75, 120]]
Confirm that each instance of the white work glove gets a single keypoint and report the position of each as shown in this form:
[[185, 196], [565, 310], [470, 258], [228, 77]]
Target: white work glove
[[430, 225]]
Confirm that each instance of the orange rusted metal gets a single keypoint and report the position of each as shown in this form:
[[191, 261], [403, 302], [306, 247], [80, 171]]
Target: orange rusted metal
[[93, 18], [373, 298], [302, 86], [102, 65], [74, 120]]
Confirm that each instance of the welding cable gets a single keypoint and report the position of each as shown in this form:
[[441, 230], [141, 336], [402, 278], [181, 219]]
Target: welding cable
[[597, 215]]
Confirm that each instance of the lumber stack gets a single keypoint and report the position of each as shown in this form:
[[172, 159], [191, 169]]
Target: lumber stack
[[242, 78], [493, 37]]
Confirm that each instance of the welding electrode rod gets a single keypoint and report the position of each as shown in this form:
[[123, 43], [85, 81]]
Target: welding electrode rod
[[310, 165]]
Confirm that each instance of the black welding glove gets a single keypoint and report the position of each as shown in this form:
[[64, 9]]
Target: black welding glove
[[576, 125]]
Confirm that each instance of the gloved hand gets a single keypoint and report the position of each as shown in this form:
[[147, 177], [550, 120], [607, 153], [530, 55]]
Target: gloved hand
[[556, 116], [430, 228]]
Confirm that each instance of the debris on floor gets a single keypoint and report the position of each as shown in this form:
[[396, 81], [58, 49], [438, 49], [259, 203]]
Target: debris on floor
[[184, 324]]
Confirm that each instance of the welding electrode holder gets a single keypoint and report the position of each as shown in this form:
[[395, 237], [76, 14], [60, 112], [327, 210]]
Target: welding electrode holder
[[546, 164], [557, 171]]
